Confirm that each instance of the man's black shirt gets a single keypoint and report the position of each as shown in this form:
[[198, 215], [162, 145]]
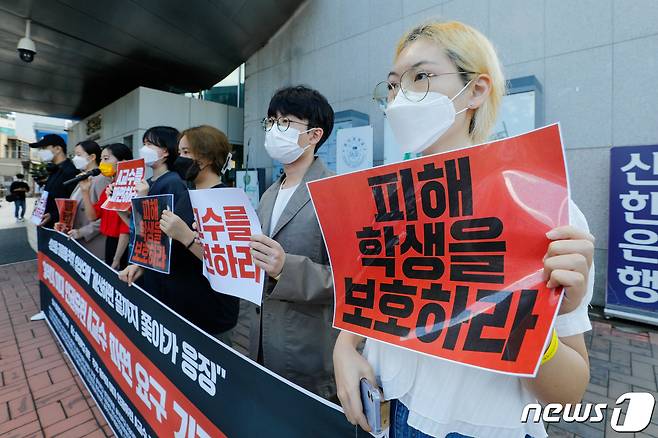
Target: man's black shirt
[[56, 189], [15, 187]]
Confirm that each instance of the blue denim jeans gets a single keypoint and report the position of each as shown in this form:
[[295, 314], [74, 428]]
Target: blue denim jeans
[[400, 429], [19, 204]]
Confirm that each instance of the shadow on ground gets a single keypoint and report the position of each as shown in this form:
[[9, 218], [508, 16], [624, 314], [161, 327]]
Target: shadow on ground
[[14, 246]]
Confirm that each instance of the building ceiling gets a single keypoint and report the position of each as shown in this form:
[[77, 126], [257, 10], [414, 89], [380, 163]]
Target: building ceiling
[[89, 53]]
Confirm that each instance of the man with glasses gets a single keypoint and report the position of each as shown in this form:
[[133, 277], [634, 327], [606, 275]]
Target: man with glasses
[[291, 333]]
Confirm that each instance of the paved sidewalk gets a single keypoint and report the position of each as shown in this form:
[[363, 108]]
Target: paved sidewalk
[[42, 396], [7, 219], [40, 392]]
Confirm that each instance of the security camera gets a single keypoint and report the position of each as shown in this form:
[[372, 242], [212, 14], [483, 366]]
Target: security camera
[[26, 48]]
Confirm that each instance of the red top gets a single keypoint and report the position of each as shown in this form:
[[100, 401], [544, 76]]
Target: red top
[[111, 223]]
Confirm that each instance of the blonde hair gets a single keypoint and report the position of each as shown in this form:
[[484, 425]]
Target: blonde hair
[[471, 52]]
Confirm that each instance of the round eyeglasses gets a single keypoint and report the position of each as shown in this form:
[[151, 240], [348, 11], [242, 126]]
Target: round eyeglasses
[[282, 123], [415, 84]]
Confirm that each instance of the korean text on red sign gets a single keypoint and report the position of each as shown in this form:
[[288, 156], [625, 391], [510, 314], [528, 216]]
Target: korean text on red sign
[[443, 254], [151, 248], [67, 209], [129, 173], [225, 221]]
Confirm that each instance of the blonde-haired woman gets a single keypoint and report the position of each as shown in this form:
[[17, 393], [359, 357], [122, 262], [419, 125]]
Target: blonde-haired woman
[[443, 93]]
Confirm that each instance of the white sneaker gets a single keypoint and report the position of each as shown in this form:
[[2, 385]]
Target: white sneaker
[[38, 317]]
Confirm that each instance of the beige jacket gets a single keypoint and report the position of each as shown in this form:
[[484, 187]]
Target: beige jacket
[[295, 319]]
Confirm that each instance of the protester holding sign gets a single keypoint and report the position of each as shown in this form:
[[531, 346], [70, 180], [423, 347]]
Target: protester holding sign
[[52, 151], [291, 332], [87, 158], [150, 247], [213, 312], [159, 152], [452, 87], [116, 232]]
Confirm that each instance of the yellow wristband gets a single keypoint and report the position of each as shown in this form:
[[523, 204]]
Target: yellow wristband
[[278, 276], [551, 350]]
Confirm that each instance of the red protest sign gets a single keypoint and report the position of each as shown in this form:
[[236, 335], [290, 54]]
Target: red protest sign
[[129, 173], [67, 209], [151, 248], [443, 254]]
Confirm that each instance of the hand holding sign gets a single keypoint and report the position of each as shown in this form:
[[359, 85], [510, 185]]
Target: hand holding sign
[[173, 226], [443, 254], [44, 219], [67, 209], [151, 247], [268, 254], [225, 222], [39, 215], [131, 274], [567, 264], [129, 174], [142, 188]]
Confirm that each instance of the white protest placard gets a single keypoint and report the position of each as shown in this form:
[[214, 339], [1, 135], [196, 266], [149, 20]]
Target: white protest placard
[[225, 222], [39, 208]]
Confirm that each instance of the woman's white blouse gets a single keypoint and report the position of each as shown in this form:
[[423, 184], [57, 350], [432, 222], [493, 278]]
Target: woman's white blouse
[[445, 397]]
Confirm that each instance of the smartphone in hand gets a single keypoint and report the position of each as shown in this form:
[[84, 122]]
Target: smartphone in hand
[[375, 408]]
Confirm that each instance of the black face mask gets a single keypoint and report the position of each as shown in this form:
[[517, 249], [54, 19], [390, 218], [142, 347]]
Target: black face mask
[[193, 171], [182, 166]]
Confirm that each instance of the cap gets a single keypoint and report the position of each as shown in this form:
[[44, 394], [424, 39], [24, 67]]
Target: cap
[[50, 140]]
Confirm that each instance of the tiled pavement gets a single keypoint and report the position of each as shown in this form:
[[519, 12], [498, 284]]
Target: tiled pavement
[[623, 358], [41, 394]]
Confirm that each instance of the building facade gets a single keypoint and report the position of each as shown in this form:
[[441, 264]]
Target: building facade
[[126, 119], [593, 63]]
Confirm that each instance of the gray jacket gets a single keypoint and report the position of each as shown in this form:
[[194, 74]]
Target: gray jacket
[[297, 311]]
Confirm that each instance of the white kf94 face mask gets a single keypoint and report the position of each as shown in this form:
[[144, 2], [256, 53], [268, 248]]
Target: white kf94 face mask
[[418, 124], [79, 162], [149, 155], [283, 146], [46, 155]]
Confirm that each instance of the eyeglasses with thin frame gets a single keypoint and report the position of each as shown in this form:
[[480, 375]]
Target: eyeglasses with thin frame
[[282, 123], [415, 84]]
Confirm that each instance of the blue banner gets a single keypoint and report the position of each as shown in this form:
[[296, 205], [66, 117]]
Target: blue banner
[[633, 237]]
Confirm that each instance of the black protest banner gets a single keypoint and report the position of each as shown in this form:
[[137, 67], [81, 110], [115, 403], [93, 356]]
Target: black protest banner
[[154, 374]]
